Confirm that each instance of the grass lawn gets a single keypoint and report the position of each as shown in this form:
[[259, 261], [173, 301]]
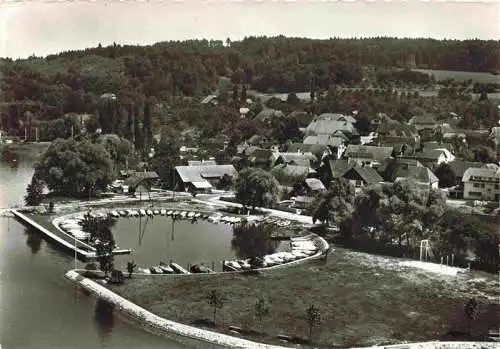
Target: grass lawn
[[361, 304]]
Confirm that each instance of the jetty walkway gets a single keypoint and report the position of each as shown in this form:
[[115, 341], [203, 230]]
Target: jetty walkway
[[83, 250]]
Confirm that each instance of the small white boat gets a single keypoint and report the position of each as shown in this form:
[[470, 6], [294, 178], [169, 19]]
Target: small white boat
[[142, 212], [197, 215], [156, 212], [163, 212], [123, 213], [115, 214], [169, 213], [299, 254], [190, 215], [135, 213], [244, 264], [183, 214], [149, 212]]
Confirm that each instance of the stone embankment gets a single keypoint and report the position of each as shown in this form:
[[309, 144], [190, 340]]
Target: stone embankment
[[190, 335]]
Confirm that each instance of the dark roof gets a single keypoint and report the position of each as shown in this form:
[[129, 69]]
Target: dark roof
[[368, 174], [370, 152], [315, 184], [429, 154], [398, 163], [338, 167], [136, 178], [460, 166]]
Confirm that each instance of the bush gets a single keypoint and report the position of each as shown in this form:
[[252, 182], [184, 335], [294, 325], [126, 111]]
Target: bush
[[116, 277]]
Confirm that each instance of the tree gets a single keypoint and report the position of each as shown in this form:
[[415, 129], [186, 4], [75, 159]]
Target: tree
[[251, 240], [261, 310], [167, 156], [34, 191], [471, 313], [313, 318], [119, 149], [70, 167], [244, 93], [446, 176], [216, 300], [256, 188], [104, 255], [130, 268], [336, 204]]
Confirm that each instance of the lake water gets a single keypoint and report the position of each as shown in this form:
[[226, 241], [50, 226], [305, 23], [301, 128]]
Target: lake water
[[38, 307], [183, 242]]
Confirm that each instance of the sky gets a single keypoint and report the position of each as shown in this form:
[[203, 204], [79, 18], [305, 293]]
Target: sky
[[44, 27]]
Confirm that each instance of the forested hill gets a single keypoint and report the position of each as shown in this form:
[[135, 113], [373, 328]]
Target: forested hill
[[72, 82]]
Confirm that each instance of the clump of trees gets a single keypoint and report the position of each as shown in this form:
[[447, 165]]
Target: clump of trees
[[255, 187], [75, 167], [395, 218]]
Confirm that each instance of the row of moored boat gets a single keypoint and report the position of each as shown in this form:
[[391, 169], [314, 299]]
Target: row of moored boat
[[300, 248], [215, 218]]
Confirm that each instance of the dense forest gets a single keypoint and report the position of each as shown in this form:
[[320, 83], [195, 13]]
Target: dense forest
[[41, 91]]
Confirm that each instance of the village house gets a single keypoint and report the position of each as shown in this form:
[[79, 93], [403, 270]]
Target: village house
[[424, 122], [434, 157], [361, 155], [421, 175], [332, 169], [298, 159], [320, 151], [482, 184], [268, 115], [333, 126], [392, 134], [288, 175], [202, 178], [331, 141], [389, 168], [362, 176]]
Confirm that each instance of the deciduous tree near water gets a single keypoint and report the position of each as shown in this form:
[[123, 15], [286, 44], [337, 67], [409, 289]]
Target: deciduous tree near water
[[256, 188], [216, 300]]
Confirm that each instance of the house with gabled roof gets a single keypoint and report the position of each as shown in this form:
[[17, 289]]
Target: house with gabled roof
[[201, 177], [421, 175], [331, 141], [289, 175], [434, 157], [362, 176], [326, 125], [424, 121], [320, 151], [332, 169], [395, 132], [361, 155], [299, 159], [482, 184], [389, 167]]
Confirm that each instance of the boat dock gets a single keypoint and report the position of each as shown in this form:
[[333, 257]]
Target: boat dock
[[84, 251]]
